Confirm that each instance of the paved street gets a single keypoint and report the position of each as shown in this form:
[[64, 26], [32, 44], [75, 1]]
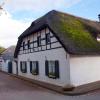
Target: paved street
[[12, 88]]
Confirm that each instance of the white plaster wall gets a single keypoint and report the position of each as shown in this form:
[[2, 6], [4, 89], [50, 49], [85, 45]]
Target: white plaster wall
[[84, 70], [55, 54], [42, 56], [14, 68], [5, 65]]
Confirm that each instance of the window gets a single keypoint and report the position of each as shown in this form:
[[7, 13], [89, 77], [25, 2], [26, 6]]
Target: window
[[48, 40], [28, 44], [39, 40], [34, 67], [23, 67], [23, 45], [52, 69]]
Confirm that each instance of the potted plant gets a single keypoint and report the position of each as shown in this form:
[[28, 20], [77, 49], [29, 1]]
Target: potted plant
[[34, 72], [52, 75]]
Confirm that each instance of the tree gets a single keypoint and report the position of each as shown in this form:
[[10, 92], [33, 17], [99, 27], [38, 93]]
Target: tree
[[1, 49]]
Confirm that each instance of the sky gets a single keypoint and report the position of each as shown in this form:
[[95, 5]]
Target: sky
[[18, 14]]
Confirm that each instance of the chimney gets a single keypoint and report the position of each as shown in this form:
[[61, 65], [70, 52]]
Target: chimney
[[99, 17]]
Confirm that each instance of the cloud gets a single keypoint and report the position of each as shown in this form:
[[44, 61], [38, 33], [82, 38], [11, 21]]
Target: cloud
[[40, 5], [10, 29]]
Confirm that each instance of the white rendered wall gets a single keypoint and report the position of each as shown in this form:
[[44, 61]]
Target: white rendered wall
[[5, 65], [14, 67], [84, 70], [57, 54], [42, 56]]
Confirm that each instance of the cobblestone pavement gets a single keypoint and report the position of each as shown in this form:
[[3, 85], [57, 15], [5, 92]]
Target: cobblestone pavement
[[12, 88]]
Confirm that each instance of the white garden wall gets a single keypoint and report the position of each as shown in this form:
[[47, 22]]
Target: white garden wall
[[84, 70]]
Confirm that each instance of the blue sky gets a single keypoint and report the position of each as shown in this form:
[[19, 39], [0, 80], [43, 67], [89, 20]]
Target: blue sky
[[84, 8], [20, 14]]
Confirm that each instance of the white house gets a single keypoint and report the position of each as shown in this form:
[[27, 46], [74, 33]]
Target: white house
[[0, 62], [60, 50], [7, 60]]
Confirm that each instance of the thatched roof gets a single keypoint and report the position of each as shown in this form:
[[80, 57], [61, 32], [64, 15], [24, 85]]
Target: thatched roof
[[77, 35], [8, 54]]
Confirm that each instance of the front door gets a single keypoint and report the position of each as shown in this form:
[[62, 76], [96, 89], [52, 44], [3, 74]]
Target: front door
[[10, 67]]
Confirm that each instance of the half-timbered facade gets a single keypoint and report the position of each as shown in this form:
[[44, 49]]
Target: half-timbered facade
[[58, 48], [40, 41], [42, 56]]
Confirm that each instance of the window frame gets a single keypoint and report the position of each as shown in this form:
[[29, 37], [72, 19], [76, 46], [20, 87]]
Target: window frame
[[28, 44], [36, 63], [25, 66], [54, 74], [48, 37], [23, 45], [39, 41]]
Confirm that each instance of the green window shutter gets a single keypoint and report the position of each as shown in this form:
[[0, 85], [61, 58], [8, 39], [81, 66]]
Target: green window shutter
[[30, 66], [25, 67], [37, 67], [57, 68], [21, 66], [46, 68]]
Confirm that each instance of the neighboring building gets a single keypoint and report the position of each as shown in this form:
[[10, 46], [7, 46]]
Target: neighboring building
[[0, 62], [61, 50], [7, 60]]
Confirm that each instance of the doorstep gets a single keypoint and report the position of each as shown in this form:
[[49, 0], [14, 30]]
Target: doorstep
[[72, 91]]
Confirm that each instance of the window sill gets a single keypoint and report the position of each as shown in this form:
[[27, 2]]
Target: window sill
[[48, 43], [51, 76], [34, 73], [23, 71]]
